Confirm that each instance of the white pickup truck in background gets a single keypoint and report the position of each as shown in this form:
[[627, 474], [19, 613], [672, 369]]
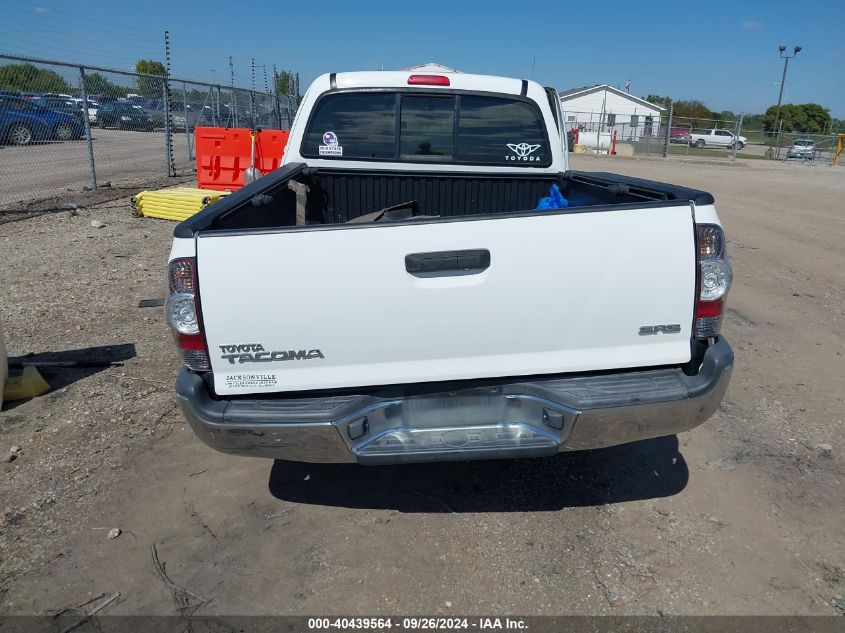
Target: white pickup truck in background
[[392, 293], [716, 138]]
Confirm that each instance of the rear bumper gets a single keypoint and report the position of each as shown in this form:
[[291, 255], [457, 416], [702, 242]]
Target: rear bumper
[[489, 419]]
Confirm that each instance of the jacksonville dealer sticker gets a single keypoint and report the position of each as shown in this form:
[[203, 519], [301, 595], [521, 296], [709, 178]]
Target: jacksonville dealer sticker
[[249, 381]]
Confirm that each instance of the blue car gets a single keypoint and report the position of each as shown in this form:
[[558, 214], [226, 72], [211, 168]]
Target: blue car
[[22, 122]]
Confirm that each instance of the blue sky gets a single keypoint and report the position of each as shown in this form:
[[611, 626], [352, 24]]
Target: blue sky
[[726, 57]]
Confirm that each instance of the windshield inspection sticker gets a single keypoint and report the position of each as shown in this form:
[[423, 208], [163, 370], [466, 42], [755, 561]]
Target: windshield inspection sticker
[[249, 381], [522, 152], [330, 146]]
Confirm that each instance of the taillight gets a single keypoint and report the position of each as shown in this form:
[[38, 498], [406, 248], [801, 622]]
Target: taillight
[[713, 281], [183, 313], [428, 80]]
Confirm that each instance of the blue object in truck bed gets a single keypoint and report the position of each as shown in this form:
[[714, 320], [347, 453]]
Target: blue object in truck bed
[[554, 200]]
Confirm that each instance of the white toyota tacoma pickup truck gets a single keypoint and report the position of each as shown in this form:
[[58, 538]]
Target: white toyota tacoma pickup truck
[[392, 293]]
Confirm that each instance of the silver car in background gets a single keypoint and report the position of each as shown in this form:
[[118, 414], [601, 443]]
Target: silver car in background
[[805, 149]]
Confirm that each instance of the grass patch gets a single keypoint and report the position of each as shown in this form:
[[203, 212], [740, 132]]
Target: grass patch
[[641, 148]]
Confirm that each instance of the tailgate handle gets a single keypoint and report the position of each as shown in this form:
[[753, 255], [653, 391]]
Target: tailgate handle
[[470, 261]]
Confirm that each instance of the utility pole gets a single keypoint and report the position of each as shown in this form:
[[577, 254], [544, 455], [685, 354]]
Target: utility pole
[[786, 58]]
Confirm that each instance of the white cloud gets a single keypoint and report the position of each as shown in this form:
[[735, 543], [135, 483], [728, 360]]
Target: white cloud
[[41, 10], [751, 25]]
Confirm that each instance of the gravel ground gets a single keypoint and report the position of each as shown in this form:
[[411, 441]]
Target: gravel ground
[[742, 515]]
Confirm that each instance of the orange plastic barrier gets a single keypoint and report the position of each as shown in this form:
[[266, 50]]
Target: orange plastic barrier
[[223, 154]]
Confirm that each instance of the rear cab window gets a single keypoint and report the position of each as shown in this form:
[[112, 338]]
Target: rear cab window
[[456, 128]]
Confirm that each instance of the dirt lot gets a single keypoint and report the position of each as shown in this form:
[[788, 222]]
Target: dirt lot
[[740, 516]]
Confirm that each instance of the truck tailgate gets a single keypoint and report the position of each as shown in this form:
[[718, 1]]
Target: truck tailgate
[[329, 307]]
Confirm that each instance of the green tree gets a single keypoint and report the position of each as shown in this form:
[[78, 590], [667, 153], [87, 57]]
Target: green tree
[[657, 100], [726, 117], [285, 81], [195, 96], [692, 110], [685, 111], [30, 78], [753, 122], [805, 117], [149, 86], [817, 117], [96, 84]]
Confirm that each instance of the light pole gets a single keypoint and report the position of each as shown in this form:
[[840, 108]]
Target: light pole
[[786, 58]]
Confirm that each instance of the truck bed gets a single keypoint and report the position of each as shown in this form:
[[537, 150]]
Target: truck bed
[[337, 196]]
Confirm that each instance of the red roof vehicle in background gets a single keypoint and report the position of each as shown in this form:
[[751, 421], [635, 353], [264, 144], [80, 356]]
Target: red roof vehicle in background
[[680, 133]]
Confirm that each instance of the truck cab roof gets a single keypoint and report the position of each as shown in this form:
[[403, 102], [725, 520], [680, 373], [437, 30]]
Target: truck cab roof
[[357, 135], [399, 79]]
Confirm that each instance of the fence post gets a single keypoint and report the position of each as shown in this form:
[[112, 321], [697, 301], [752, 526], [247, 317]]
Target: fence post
[[736, 136], [780, 132], [218, 120], [187, 127], [668, 132], [168, 121], [276, 103], [92, 170], [168, 141], [252, 108]]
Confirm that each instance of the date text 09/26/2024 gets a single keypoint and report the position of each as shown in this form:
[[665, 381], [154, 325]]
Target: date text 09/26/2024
[[416, 624]]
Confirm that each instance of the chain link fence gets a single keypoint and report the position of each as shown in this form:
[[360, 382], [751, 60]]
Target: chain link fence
[[69, 127], [666, 135]]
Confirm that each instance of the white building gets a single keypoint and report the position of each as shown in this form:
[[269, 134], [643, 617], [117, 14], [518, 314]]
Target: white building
[[606, 108]]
